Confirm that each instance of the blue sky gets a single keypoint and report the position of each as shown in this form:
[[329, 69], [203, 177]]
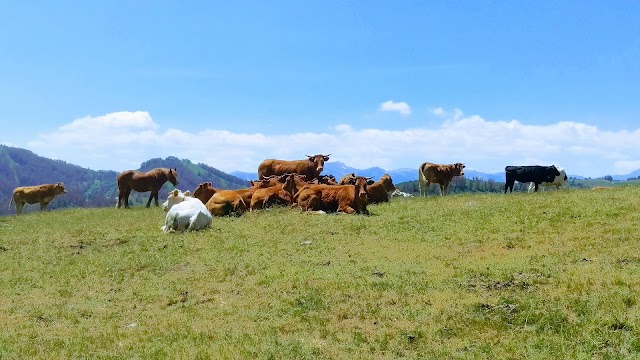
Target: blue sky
[[110, 84]]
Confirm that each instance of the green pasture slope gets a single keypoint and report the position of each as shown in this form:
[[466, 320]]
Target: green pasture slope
[[521, 276]]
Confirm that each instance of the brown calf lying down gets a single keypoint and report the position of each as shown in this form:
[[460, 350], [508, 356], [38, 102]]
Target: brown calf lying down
[[281, 193], [341, 198], [220, 202], [380, 191]]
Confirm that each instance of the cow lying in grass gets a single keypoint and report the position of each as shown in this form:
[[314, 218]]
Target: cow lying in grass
[[281, 193], [185, 213], [341, 198], [221, 202]]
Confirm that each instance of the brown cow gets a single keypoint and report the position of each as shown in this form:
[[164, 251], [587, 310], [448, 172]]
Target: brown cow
[[348, 179], [380, 191], [430, 173], [312, 167], [325, 179], [151, 180], [42, 194], [226, 202], [204, 192], [341, 198], [281, 193]]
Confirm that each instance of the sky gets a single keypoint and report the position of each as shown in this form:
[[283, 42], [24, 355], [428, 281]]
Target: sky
[[108, 85]]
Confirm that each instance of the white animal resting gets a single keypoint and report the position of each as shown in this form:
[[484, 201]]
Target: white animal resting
[[560, 180], [397, 192], [185, 213]]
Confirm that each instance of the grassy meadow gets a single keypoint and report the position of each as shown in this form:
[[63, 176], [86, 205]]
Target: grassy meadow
[[539, 276]]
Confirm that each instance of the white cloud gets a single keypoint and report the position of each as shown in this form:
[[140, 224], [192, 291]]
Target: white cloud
[[124, 140], [401, 107]]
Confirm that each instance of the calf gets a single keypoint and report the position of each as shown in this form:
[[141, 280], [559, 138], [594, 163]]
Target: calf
[[560, 180], [42, 194], [430, 173], [281, 193], [381, 190], [341, 198], [226, 202], [185, 213], [536, 174]]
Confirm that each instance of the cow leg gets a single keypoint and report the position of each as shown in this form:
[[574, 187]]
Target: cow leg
[[536, 187], [43, 206], [346, 209], [19, 207]]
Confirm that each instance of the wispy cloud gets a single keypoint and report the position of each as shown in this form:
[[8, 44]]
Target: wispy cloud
[[401, 107], [123, 140]]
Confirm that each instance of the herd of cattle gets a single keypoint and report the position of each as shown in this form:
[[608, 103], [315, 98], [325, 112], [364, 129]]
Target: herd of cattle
[[297, 183]]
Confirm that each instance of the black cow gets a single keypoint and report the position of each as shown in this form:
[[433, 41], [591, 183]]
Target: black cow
[[536, 174]]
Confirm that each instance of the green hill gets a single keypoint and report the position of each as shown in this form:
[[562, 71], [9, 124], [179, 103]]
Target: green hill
[[91, 188], [552, 275]]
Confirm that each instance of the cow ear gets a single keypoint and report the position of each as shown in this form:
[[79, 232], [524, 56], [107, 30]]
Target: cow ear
[[175, 192], [187, 193], [326, 158]]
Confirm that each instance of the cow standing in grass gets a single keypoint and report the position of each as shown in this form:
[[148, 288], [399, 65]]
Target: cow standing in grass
[[430, 173], [536, 174], [311, 167], [42, 194], [560, 180]]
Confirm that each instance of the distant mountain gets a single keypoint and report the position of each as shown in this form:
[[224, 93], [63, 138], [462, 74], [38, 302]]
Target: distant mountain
[[90, 188], [473, 174], [245, 175], [634, 174]]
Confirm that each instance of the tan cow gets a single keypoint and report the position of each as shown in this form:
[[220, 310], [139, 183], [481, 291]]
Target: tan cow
[[226, 202], [341, 198], [311, 167], [281, 193], [430, 173], [381, 190], [42, 194]]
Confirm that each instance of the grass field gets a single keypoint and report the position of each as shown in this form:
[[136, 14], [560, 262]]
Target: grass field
[[540, 276]]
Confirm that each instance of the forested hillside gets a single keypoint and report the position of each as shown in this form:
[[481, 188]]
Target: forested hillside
[[91, 188]]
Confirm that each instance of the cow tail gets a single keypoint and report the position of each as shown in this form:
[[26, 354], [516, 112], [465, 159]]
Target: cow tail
[[10, 202]]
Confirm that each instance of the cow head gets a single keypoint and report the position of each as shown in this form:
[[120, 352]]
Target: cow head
[[458, 169], [361, 193], [175, 197], [348, 179], [59, 188], [204, 192], [555, 169], [258, 184], [361, 187], [318, 162], [387, 182], [289, 184], [172, 176]]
